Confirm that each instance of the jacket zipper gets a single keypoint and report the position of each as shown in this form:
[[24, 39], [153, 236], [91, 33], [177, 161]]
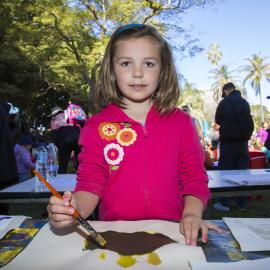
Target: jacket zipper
[[146, 200], [145, 133]]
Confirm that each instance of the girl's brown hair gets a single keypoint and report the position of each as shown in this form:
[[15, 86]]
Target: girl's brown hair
[[167, 93]]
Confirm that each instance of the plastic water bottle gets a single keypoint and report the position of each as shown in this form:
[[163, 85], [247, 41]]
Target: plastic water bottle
[[56, 165], [52, 162], [41, 165]]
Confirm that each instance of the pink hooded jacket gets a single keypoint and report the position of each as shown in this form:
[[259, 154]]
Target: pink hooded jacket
[[141, 171]]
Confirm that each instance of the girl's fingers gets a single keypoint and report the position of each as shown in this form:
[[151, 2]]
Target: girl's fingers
[[190, 229], [181, 228], [214, 227], [194, 234], [56, 201], [65, 222], [187, 232], [60, 209], [60, 218], [67, 196], [204, 229]]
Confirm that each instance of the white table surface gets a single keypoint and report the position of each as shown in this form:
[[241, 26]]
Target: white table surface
[[219, 184]]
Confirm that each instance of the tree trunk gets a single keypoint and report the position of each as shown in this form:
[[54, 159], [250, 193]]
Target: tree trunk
[[260, 95], [92, 98]]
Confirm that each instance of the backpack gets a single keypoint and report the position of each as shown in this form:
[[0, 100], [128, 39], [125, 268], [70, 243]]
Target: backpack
[[239, 124], [75, 115]]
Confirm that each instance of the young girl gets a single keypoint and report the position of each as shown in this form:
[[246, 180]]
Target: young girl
[[140, 156]]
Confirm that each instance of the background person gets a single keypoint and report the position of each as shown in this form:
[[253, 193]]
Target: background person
[[23, 158], [8, 168], [266, 147], [196, 122], [236, 127], [213, 136], [262, 133], [17, 125], [66, 138]]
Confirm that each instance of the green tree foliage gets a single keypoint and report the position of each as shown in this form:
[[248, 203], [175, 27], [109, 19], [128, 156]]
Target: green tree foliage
[[192, 97], [220, 75], [214, 54], [256, 114], [52, 46], [255, 71]]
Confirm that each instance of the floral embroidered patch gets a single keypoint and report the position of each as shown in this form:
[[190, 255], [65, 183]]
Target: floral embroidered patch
[[124, 136], [113, 153], [108, 131]]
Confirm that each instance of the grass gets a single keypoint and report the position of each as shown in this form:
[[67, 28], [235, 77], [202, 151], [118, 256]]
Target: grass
[[259, 208], [34, 210]]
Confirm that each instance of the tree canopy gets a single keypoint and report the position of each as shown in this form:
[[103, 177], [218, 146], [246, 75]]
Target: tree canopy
[[50, 49]]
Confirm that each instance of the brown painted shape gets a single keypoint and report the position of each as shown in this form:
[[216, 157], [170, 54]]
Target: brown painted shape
[[132, 243]]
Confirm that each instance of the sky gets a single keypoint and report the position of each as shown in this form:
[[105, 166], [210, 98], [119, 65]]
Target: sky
[[241, 28]]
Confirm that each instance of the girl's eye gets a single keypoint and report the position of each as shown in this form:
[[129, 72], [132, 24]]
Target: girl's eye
[[149, 64], [125, 64]]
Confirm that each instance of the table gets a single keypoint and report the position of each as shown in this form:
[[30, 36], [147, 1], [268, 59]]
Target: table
[[218, 184], [220, 247], [33, 191]]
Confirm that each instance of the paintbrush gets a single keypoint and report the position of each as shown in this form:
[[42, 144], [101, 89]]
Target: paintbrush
[[96, 236]]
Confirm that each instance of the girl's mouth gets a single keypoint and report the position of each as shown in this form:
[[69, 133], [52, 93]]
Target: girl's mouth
[[137, 86]]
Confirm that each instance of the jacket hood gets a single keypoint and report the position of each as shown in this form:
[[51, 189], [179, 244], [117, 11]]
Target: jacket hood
[[235, 92]]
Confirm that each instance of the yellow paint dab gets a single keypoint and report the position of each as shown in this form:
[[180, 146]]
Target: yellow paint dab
[[153, 258], [150, 231], [103, 255], [126, 261], [86, 245], [235, 244], [235, 256]]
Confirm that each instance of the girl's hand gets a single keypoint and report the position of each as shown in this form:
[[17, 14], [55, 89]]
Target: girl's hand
[[60, 212], [190, 226]]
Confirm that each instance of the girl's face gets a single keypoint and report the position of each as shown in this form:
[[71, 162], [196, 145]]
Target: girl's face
[[137, 66]]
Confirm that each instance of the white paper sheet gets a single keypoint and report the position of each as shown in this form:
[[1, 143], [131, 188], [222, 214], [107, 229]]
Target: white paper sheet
[[54, 250], [252, 234], [10, 222], [251, 179], [4, 221], [261, 264]]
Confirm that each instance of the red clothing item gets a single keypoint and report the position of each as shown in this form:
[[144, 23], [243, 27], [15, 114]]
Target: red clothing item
[[141, 171]]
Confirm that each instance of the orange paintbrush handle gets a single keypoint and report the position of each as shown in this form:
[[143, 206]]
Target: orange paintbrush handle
[[54, 191], [97, 237]]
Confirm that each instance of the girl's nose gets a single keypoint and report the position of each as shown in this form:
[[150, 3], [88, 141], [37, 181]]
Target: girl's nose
[[137, 73]]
